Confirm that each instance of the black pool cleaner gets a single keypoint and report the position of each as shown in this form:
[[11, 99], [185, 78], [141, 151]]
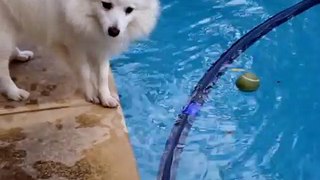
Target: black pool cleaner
[[175, 143]]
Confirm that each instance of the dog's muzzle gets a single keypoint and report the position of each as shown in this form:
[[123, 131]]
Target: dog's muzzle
[[113, 31]]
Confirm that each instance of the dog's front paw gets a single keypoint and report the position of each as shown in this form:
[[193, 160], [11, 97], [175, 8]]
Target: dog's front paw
[[109, 101], [93, 98], [18, 94], [106, 101], [24, 56]]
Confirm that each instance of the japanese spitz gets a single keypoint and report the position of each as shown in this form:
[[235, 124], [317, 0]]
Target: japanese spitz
[[84, 33]]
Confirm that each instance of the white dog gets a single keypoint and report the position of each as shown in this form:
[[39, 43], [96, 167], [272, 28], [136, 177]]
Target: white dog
[[84, 33]]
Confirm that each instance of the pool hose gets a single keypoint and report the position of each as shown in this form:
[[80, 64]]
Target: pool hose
[[175, 143]]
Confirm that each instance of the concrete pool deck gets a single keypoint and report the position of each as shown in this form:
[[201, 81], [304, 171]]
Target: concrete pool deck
[[57, 135]]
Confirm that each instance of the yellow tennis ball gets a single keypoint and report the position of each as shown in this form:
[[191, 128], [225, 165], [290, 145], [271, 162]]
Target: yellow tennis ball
[[248, 82]]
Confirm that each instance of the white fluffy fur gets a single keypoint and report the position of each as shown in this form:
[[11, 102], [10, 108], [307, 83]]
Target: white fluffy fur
[[76, 31]]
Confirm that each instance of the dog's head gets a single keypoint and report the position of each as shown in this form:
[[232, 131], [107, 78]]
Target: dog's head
[[132, 19]]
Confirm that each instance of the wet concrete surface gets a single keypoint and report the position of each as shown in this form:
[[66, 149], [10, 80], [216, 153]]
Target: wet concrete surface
[[56, 134]]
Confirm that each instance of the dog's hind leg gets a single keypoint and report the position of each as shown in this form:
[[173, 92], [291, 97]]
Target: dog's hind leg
[[22, 56], [7, 86]]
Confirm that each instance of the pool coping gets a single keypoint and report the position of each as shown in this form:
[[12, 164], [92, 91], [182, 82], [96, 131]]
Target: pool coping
[[56, 134]]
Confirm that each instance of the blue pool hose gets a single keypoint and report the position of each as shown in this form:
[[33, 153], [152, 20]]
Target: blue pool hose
[[175, 143]]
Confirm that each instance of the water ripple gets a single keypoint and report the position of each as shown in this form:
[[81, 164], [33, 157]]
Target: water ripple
[[270, 134]]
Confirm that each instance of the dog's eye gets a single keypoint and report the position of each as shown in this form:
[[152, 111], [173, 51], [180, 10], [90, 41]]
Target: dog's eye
[[107, 5], [128, 10]]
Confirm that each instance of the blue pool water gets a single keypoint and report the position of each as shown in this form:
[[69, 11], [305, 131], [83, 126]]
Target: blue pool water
[[270, 134]]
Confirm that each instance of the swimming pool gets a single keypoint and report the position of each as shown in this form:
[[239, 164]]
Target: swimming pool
[[270, 134]]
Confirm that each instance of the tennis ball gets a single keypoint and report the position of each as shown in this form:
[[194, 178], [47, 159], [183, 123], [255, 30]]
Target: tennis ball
[[248, 82]]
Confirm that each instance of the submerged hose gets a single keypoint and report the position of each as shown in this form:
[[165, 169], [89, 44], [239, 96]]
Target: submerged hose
[[175, 143]]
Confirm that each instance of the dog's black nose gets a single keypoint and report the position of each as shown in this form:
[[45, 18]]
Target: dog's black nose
[[113, 31]]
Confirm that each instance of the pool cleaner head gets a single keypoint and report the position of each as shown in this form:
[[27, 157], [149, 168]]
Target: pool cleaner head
[[248, 82]]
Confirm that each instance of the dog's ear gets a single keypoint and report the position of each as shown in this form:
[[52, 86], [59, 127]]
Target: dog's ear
[[145, 19]]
